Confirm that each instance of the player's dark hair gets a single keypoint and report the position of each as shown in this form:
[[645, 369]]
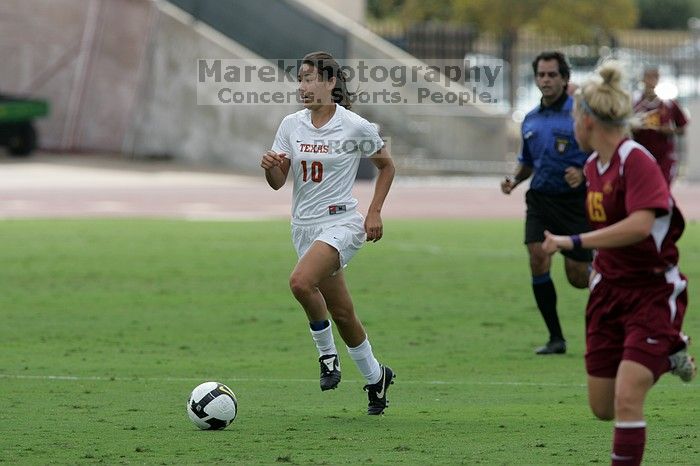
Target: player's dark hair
[[327, 67], [564, 68]]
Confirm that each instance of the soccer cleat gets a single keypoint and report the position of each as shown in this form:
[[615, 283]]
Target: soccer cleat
[[330, 371], [377, 392], [552, 347], [683, 365]]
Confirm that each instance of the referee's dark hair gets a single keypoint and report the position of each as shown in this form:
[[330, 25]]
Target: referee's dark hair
[[564, 68]]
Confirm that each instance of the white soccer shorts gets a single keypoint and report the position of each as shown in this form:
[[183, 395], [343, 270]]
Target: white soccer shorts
[[345, 233]]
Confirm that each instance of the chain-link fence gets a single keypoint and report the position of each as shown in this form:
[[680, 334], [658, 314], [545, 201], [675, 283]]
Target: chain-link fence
[[677, 53]]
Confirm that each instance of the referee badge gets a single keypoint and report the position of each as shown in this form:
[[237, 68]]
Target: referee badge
[[562, 144]]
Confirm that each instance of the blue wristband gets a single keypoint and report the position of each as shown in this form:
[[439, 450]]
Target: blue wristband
[[576, 240]]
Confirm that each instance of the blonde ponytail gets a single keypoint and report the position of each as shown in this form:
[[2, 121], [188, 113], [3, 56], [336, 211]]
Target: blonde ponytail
[[604, 97]]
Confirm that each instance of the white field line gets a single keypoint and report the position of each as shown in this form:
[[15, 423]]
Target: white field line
[[77, 378]]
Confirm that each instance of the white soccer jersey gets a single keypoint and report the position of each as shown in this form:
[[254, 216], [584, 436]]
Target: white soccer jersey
[[324, 161]]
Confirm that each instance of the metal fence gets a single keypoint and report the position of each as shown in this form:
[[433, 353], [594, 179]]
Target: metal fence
[[677, 53]]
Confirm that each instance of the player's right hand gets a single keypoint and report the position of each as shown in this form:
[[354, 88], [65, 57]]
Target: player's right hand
[[553, 243], [507, 185], [574, 176], [272, 159]]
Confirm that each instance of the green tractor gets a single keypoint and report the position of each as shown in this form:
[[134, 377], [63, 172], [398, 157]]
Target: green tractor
[[17, 131]]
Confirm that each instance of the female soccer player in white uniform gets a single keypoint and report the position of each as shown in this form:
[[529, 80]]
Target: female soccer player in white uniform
[[322, 145]]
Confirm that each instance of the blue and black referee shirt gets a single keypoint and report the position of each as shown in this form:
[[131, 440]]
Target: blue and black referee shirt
[[549, 147]]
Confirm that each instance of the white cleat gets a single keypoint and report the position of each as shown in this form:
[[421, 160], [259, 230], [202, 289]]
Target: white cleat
[[683, 365]]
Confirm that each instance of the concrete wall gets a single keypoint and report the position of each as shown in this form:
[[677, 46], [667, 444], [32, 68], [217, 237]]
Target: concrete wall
[[121, 77], [169, 121], [691, 169], [85, 57], [427, 138], [272, 29], [355, 10]]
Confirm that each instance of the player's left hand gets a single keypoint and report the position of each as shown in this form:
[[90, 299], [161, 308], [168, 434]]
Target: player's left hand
[[574, 176], [374, 227], [553, 243]]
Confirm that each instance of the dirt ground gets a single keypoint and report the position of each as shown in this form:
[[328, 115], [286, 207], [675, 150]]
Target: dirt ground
[[60, 186]]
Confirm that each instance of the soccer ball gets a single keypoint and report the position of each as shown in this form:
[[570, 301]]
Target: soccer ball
[[212, 406]]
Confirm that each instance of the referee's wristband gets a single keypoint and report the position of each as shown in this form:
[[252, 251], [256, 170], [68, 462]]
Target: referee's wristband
[[576, 241]]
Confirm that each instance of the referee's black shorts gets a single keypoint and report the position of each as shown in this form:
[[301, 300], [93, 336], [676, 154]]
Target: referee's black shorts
[[563, 214]]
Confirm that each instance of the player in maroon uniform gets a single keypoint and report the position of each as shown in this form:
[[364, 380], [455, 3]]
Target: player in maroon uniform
[[638, 295], [657, 122]]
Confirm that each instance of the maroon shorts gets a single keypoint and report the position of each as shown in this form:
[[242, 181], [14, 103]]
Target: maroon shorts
[[636, 324]]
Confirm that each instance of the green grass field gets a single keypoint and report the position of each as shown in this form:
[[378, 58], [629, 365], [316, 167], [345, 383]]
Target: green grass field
[[107, 325]]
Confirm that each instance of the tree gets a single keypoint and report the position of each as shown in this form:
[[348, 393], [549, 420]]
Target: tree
[[567, 18], [666, 14], [380, 9], [584, 20], [420, 11], [573, 19]]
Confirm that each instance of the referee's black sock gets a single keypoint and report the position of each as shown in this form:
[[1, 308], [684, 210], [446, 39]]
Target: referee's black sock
[[546, 297]]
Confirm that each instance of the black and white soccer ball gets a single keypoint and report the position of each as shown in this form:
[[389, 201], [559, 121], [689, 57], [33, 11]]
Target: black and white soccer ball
[[212, 406]]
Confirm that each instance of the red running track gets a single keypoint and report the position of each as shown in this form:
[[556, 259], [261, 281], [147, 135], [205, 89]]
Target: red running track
[[52, 186]]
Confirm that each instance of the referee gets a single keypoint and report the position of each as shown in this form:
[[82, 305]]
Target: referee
[[557, 194]]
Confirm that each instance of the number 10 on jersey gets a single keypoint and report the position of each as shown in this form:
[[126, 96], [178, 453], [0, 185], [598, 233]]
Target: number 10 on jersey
[[316, 171]]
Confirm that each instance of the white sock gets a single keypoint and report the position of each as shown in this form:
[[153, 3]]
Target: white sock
[[324, 341], [366, 362]]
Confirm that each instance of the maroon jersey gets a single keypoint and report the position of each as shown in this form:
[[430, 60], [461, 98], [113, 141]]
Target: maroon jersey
[[633, 181], [654, 114]]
